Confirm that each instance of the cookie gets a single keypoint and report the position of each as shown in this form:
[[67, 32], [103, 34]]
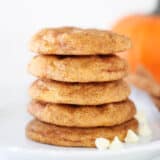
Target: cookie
[[78, 68], [144, 80], [76, 137], [77, 41], [156, 100], [83, 116], [145, 83], [79, 93]]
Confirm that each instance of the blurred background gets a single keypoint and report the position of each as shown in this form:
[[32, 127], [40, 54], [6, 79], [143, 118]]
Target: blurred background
[[19, 19]]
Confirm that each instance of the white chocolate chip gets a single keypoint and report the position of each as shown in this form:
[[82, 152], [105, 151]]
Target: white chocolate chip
[[116, 144], [141, 117], [131, 137], [144, 130], [102, 143]]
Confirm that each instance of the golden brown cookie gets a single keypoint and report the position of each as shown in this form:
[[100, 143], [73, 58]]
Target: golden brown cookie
[[77, 137], [83, 116], [79, 93], [156, 100], [77, 41], [79, 68]]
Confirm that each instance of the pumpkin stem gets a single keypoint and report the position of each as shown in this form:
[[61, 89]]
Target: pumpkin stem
[[157, 10]]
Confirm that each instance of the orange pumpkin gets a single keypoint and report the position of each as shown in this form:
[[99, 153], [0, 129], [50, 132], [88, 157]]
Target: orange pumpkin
[[144, 32]]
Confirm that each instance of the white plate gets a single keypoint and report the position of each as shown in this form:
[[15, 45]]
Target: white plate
[[14, 144]]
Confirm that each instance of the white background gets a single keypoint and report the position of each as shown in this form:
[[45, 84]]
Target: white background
[[19, 19]]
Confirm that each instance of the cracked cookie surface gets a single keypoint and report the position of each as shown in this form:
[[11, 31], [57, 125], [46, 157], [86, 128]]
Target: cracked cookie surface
[[79, 93], [77, 41], [78, 68]]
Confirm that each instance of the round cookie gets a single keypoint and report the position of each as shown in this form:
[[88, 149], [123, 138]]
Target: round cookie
[[76, 137], [83, 116], [79, 68], [77, 41], [79, 93]]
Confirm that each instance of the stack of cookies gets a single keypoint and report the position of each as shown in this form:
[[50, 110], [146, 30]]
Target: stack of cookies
[[80, 94]]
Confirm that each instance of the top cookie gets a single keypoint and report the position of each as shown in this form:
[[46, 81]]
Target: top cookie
[[76, 41]]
